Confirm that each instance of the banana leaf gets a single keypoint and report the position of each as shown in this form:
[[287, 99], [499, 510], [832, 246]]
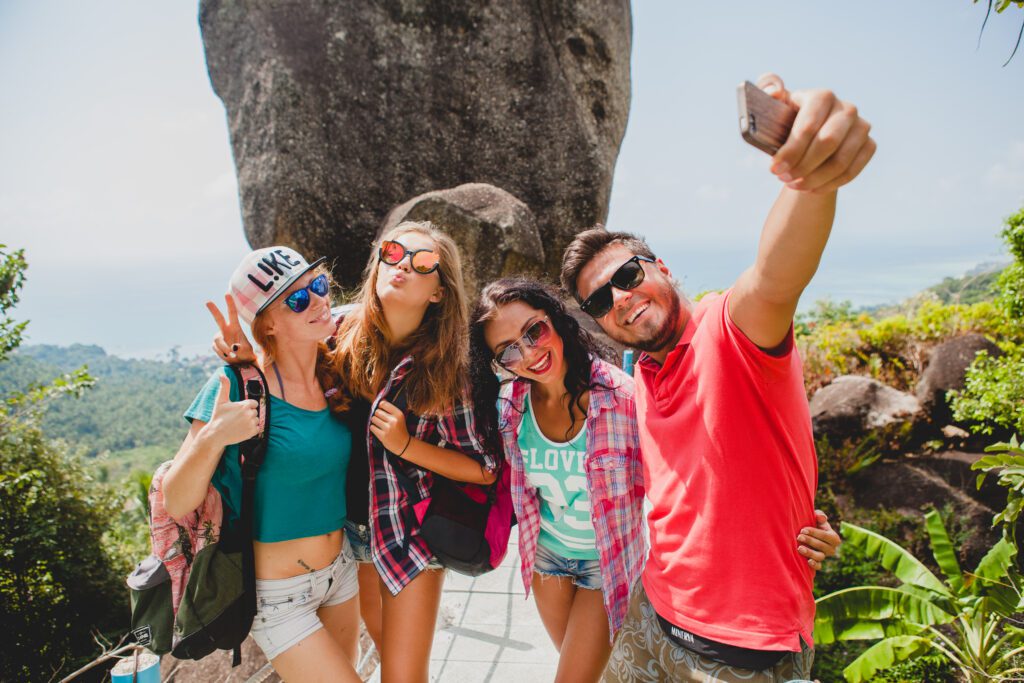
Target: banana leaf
[[828, 631], [951, 605], [892, 557], [883, 655], [942, 549], [837, 611], [997, 581]]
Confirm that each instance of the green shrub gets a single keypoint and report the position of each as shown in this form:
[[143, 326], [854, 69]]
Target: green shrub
[[1011, 281], [59, 584], [993, 394]]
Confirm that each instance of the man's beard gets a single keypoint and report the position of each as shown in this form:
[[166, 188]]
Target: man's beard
[[665, 334]]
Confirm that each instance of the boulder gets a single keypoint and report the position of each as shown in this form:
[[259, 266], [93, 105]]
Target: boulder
[[954, 467], [339, 111], [911, 486], [496, 232], [947, 365], [852, 406]]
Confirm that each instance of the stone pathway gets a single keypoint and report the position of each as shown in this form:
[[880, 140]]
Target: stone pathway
[[489, 632]]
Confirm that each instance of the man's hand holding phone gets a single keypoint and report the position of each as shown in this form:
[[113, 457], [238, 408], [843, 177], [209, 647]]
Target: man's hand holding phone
[[828, 144]]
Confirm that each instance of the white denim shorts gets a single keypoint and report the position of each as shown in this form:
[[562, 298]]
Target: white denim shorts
[[286, 608]]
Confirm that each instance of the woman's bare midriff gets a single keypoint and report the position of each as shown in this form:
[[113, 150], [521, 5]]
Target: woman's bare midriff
[[285, 559]]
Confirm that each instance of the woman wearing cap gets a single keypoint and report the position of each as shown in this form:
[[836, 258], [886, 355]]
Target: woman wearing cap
[[307, 616], [404, 344]]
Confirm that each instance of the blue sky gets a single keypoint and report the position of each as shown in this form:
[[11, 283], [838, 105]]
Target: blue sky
[[116, 172]]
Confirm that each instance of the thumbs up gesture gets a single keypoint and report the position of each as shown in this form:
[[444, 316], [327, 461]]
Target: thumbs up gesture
[[233, 421]]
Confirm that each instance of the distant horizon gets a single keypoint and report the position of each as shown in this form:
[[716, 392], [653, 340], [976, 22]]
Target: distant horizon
[[196, 351]]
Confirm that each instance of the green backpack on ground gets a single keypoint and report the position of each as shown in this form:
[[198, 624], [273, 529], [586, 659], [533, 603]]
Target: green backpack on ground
[[196, 592]]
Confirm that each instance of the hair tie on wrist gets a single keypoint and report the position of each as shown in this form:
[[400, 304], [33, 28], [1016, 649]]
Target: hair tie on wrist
[[406, 446], [330, 392]]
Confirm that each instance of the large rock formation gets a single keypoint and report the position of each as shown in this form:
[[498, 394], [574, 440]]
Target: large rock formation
[[339, 111], [853, 406], [946, 369], [913, 485]]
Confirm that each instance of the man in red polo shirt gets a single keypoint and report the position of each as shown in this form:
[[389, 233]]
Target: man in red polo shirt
[[726, 437]]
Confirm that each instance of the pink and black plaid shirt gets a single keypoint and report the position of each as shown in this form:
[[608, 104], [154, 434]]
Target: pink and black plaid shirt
[[615, 483], [397, 550]]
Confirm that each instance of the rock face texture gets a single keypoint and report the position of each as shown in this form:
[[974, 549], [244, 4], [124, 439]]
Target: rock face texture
[[914, 485], [852, 406], [496, 232], [339, 111], [947, 366]]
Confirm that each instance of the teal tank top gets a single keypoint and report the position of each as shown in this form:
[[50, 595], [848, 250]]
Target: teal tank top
[[300, 488], [557, 471]]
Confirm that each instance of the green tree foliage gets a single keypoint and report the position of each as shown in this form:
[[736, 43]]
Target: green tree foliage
[[58, 583], [889, 345], [1011, 281], [12, 276], [969, 289], [993, 395], [131, 420], [1008, 464]]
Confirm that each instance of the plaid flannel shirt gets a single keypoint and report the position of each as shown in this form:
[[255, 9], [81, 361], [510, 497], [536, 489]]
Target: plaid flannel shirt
[[397, 550], [615, 483]]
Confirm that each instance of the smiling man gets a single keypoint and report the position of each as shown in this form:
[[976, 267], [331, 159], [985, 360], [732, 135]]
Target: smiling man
[[726, 439]]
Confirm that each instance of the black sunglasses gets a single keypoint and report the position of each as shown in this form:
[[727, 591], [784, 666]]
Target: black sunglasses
[[628, 276]]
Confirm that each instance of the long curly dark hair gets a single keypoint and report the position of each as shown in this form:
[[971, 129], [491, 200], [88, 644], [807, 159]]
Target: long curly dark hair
[[579, 347]]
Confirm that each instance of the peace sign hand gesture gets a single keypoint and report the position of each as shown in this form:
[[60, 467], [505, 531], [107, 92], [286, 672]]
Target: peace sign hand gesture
[[230, 343]]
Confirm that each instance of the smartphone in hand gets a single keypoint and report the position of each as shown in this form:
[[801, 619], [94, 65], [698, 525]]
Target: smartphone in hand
[[764, 121]]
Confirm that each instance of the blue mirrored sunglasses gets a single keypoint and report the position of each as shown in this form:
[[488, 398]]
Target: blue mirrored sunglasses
[[298, 300]]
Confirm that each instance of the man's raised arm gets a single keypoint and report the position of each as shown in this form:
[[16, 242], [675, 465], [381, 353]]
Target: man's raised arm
[[828, 147]]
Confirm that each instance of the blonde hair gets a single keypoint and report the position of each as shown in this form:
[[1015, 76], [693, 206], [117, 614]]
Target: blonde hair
[[338, 400], [365, 353]]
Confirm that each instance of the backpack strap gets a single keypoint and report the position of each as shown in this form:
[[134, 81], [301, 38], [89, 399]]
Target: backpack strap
[[404, 480], [251, 452]]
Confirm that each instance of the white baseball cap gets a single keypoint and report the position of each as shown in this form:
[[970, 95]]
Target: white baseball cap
[[263, 275]]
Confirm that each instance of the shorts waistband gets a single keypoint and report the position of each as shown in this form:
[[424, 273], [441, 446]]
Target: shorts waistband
[[323, 573]]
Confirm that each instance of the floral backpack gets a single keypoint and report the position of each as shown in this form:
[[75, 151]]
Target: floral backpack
[[196, 591]]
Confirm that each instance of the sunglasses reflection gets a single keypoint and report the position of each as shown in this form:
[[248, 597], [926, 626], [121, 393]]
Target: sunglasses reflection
[[534, 335], [423, 261]]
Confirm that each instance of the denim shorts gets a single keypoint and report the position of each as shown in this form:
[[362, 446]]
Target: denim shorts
[[286, 608], [584, 573], [359, 540]]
